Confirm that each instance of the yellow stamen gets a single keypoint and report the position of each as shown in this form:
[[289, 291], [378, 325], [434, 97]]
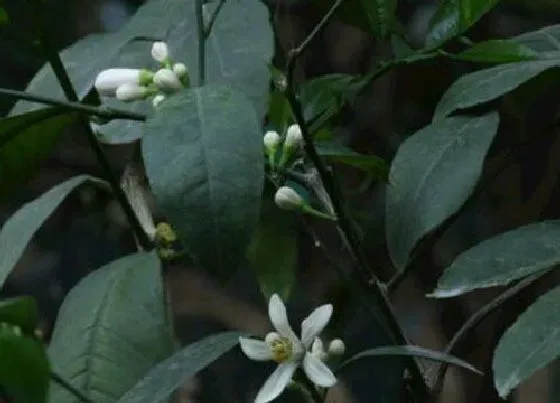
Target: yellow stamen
[[282, 349]]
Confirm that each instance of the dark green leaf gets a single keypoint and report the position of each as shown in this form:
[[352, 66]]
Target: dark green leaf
[[204, 159], [502, 259], [21, 312], [415, 351], [531, 343], [25, 141], [401, 49], [24, 368], [19, 228], [4, 19], [433, 173], [498, 51], [544, 40], [111, 330], [489, 84], [168, 375], [273, 252], [338, 153], [453, 17], [279, 111]]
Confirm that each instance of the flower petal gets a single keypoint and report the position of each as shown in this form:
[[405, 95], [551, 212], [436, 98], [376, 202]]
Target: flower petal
[[317, 371], [255, 349], [279, 318], [315, 323], [277, 382]]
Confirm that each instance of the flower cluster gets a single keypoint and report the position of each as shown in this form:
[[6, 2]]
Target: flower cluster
[[136, 84], [293, 143], [290, 352]]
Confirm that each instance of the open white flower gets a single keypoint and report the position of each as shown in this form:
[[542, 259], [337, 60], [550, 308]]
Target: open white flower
[[290, 352]]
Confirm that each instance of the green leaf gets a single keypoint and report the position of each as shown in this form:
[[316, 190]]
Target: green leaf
[[498, 51], [374, 17], [24, 367], [544, 40], [168, 375], [414, 351], [25, 141], [111, 330], [340, 154], [502, 259], [237, 53], [433, 173], [4, 19], [489, 84], [203, 153], [20, 227], [453, 17], [531, 343], [273, 251], [21, 312]]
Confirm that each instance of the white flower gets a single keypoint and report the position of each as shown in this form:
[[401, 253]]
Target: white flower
[[180, 70], [109, 80], [336, 347], [131, 92], [288, 199], [158, 99], [294, 138], [167, 81], [160, 52], [284, 347]]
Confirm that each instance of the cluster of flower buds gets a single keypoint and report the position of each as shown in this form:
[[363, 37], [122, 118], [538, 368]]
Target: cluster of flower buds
[[293, 143], [137, 84]]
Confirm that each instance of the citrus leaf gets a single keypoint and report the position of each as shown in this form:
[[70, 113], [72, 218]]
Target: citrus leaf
[[498, 51], [21, 312], [434, 171], [530, 344], [111, 330], [168, 375], [204, 159], [502, 259]]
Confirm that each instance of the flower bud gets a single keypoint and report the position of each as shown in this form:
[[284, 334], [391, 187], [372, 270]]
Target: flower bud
[[271, 140], [337, 347], [167, 81], [109, 80], [158, 99], [294, 138], [131, 92], [288, 199], [180, 70], [160, 52]]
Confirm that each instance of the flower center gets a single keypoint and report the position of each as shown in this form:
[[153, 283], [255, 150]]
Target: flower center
[[282, 349]]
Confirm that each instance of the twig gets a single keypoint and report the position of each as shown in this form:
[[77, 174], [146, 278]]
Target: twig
[[345, 226], [66, 385], [201, 42], [473, 321], [68, 89], [102, 112], [213, 17]]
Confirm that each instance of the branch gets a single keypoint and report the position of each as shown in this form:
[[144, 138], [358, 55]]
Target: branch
[[369, 285], [473, 322], [62, 76], [66, 385], [102, 112], [213, 17], [201, 42]]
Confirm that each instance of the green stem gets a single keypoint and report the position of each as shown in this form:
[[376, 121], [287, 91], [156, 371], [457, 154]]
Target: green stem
[[100, 111], [68, 89], [201, 42], [66, 385], [213, 17], [369, 284]]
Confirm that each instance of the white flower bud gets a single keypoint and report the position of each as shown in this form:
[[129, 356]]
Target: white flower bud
[[271, 140], [131, 92], [294, 138], [158, 99], [109, 80], [160, 52], [180, 70], [288, 199], [337, 347], [167, 81]]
